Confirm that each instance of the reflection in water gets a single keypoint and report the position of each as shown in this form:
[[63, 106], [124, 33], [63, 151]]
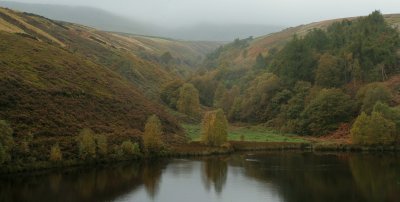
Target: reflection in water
[[215, 173], [151, 177], [379, 181], [269, 176]]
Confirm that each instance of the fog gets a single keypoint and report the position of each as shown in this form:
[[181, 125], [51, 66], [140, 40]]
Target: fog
[[177, 13], [207, 19]]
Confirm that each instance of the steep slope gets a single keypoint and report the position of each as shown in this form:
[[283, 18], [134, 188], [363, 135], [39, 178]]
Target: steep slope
[[49, 91], [136, 58], [245, 54]]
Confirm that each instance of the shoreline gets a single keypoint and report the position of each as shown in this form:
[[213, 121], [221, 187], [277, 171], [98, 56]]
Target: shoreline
[[195, 149]]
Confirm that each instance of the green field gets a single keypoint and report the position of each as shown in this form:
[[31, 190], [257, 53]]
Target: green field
[[249, 133]]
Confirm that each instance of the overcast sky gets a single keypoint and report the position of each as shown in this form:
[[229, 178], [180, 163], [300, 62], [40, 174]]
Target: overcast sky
[[266, 12]]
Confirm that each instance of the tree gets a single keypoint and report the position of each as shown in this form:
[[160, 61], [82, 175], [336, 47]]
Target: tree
[[152, 139], [87, 144], [101, 145], [55, 153], [329, 74], [129, 148], [371, 94], [170, 93], [166, 57], [188, 102], [219, 95], [260, 62], [326, 111], [214, 128], [374, 129], [6, 141]]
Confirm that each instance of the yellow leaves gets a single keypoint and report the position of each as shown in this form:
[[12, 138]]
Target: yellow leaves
[[152, 134], [214, 128]]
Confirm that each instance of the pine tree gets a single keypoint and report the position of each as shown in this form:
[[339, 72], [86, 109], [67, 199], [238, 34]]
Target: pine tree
[[214, 128], [152, 135], [188, 102]]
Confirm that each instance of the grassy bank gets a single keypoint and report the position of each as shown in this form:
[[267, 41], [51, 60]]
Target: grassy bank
[[248, 134]]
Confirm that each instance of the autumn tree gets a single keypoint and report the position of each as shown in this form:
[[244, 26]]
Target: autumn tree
[[87, 144], [374, 129], [372, 93], [188, 102], [6, 141], [329, 73], [214, 128], [152, 139], [129, 148], [55, 153]]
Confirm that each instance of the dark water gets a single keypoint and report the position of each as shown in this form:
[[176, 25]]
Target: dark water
[[248, 177]]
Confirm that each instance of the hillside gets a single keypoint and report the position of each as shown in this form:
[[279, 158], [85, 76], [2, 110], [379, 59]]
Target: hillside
[[58, 78], [107, 21], [335, 77], [245, 54], [137, 58]]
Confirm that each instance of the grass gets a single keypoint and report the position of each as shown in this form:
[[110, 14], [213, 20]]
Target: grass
[[249, 133]]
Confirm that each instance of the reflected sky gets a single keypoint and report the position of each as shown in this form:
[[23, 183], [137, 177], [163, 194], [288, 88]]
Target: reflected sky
[[249, 177]]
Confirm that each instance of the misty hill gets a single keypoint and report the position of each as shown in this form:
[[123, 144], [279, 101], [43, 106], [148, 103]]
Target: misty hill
[[107, 21]]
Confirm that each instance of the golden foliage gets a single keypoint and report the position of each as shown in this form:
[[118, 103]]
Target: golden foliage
[[214, 129], [152, 134], [55, 153], [87, 144]]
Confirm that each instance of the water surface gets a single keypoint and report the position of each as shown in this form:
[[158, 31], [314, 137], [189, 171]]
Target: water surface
[[249, 177]]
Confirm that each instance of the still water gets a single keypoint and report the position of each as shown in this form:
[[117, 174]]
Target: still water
[[248, 177]]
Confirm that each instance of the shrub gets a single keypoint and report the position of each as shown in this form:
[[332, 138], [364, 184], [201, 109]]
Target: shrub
[[326, 111], [55, 153], [374, 129], [152, 135], [214, 128], [369, 95], [129, 148], [87, 144]]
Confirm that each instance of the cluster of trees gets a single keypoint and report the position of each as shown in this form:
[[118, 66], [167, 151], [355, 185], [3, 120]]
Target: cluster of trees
[[90, 146], [314, 83]]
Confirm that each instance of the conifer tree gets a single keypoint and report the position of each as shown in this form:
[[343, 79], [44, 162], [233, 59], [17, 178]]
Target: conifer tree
[[188, 102]]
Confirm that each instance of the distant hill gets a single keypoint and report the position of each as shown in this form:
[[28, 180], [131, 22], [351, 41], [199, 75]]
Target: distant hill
[[107, 21]]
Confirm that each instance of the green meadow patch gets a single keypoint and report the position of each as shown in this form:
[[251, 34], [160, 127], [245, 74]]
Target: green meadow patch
[[247, 133]]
